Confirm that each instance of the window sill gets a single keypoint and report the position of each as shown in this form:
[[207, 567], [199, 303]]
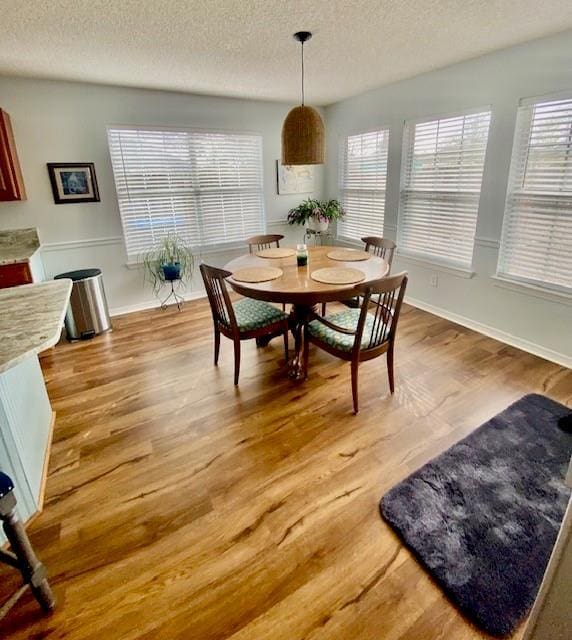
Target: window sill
[[200, 253], [436, 266], [405, 257], [532, 290]]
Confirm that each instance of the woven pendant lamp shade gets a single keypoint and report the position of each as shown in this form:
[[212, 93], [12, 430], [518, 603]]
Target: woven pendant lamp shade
[[303, 137]]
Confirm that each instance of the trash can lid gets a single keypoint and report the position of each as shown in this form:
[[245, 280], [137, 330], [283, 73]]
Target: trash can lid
[[80, 274], [6, 484]]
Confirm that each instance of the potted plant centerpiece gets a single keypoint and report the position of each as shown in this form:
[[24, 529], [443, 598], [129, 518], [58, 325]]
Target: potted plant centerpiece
[[170, 261], [316, 214]]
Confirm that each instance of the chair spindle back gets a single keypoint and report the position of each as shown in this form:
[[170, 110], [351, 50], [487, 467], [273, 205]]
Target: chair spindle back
[[381, 247], [385, 297], [221, 305], [257, 243]]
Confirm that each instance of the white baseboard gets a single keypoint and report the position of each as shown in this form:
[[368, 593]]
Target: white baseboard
[[514, 341], [153, 304]]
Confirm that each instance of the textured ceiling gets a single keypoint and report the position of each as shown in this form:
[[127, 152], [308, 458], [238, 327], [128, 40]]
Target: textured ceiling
[[245, 49]]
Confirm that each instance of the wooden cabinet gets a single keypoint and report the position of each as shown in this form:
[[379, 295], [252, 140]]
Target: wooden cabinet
[[12, 275], [11, 182]]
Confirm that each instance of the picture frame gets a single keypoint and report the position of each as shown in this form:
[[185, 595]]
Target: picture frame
[[73, 182], [292, 179]]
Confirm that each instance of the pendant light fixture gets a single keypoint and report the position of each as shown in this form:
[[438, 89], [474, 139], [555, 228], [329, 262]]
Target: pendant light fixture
[[303, 134]]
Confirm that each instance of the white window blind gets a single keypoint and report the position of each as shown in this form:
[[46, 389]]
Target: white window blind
[[442, 172], [363, 176], [206, 187], [536, 245]]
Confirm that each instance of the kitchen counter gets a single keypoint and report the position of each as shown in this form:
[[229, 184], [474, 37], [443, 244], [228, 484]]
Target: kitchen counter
[[31, 319], [18, 245], [20, 258]]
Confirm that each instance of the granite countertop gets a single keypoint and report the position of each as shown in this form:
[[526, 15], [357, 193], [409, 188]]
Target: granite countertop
[[18, 245], [31, 319]]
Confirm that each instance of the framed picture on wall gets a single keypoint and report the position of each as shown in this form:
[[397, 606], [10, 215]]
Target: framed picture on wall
[[73, 182], [294, 178]]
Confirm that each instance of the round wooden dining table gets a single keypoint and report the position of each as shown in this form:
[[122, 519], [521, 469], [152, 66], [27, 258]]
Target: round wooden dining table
[[296, 287]]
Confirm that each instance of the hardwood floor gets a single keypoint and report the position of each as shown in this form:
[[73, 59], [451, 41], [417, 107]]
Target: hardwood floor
[[179, 507]]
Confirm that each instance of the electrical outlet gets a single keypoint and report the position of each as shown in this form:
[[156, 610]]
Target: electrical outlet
[[434, 280]]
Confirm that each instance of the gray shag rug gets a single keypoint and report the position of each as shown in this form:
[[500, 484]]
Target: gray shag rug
[[483, 516]]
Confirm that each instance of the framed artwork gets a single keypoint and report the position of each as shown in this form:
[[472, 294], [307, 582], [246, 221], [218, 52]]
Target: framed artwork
[[294, 178], [73, 182]]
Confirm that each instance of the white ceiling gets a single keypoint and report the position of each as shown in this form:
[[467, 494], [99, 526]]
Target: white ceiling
[[244, 48]]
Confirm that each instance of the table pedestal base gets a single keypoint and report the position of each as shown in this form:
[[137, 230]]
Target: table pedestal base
[[298, 318]]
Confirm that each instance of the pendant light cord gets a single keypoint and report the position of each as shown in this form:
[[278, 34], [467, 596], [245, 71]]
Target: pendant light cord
[[302, 73]]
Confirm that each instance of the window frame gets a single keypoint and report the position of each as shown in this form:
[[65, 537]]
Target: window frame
[[342, 146], [408, 140], [134, 260], [542, 288]]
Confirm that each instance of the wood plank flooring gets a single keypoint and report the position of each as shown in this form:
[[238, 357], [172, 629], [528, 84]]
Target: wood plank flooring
[[179, 507]]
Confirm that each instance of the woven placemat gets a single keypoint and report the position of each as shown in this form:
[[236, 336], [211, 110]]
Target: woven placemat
[[338, 275], [349, 255], [276, 252], [257, 274]]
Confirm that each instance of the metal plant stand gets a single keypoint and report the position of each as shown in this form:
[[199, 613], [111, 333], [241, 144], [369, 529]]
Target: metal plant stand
[[318, 238], [21, 556], [178, 298]]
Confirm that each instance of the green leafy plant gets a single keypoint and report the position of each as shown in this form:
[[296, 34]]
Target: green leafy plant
[[322, 210], [171, 255]]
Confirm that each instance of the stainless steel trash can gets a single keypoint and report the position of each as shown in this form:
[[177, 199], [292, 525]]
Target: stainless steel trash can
[[87, 314]]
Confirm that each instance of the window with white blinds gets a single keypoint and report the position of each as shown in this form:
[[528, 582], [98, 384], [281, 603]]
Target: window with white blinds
[[204, 186], [363, 180], [536, 245], [443, 163]]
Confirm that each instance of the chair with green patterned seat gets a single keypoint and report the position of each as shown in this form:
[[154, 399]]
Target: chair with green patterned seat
[[241, 320], [256, 243], [377, 246], [364, 333], [381, 247]]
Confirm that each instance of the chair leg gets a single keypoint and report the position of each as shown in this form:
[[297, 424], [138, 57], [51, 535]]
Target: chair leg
[[216, 346], [286, 342], [236, 361], [306, 352], [33, 571], [355, 365], [390, 368], [323, 309]]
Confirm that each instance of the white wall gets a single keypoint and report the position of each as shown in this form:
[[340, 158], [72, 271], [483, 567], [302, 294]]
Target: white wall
[[66, 122], [516, 315]]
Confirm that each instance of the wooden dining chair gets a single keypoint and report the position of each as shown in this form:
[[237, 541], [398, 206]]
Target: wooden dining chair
[[241, 320], [257, 243], [381, 247], [364, 333]]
